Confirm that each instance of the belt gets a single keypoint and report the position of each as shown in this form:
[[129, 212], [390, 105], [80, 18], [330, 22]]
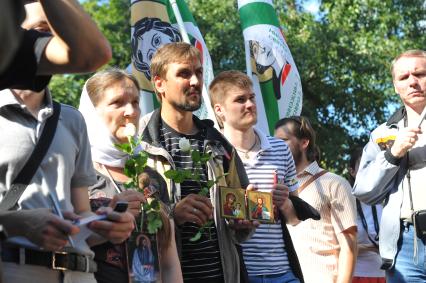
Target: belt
[[53, 260]]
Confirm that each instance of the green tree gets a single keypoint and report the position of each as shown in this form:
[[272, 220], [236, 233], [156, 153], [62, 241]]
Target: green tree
[[343, 56], [344, 60], [112, 17]]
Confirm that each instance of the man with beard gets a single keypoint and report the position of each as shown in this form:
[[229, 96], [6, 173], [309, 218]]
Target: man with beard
[[177, 77], [326, 248]]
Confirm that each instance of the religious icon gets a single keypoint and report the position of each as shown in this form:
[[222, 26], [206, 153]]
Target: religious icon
[[232, 203], [260, 206], [143, 262]]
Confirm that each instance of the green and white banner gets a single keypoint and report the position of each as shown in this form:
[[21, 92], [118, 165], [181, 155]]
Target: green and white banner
[[153, 24], [270, 64]]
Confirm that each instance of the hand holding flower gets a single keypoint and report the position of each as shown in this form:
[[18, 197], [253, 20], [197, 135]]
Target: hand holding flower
[[193, 208]]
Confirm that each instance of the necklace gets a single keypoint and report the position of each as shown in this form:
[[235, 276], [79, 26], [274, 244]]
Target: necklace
[[246, 153]]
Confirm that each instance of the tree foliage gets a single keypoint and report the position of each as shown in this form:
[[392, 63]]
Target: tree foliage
[[112, 17], [343, 55]]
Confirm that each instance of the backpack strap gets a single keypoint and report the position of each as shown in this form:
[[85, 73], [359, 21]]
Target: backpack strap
[[24, 177]]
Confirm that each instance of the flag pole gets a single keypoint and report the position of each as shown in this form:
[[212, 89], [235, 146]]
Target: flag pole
[[179, 21], [248, 61]]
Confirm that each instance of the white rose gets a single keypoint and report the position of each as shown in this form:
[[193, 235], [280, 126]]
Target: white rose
[[130, 130], [184, 145]]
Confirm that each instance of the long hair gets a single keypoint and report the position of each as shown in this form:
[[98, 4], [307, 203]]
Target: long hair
[[301, 128]]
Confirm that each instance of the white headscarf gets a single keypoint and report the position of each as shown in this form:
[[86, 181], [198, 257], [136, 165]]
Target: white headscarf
[[101, 140]]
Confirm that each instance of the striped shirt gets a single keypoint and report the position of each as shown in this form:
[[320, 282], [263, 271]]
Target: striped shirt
[[265, 252], [316, 241], [200, 260]]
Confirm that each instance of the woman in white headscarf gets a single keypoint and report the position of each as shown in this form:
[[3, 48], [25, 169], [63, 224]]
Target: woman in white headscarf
[[110, 106]]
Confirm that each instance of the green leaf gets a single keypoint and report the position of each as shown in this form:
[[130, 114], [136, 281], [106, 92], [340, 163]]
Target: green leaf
[[151, 216], [129, 168], [210, 183], [205, 157], [134, 142], [196, 237], [154, 226], [180, 177], [204, 191], [124, 147], [146, 206], [171, 174], [140, 163], [187, 174], [155, 204], [195, 155]]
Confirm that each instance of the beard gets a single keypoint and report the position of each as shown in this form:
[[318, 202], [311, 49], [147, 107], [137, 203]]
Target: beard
[[188, 105], [297, 156]]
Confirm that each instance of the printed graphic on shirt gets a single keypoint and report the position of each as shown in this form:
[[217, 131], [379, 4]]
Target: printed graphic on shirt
[[385, 142]]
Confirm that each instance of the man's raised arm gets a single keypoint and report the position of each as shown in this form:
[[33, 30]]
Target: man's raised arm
[[77, 45]]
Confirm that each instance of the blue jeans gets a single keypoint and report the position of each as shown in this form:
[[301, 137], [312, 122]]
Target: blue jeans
[[287, 277], [405, 268]]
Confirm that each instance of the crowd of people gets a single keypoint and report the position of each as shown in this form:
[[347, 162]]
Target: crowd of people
[[60, 166]]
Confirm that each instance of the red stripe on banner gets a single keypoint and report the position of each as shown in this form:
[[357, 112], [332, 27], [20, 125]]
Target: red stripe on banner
[[199, 46], [284, 74]]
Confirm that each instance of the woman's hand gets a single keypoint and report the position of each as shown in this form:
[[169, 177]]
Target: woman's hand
[[133, 198]]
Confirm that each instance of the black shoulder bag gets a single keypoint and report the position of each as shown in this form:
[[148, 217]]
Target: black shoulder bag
[[20, 183]]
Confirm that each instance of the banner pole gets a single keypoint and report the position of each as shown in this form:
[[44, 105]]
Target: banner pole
[[179, 21], [248, 61]]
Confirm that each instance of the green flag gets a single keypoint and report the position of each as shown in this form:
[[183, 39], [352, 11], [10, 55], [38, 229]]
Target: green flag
[[273, 69]]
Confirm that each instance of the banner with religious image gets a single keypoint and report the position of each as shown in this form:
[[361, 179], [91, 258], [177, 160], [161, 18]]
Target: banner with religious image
[[153, 24], [270, 64]]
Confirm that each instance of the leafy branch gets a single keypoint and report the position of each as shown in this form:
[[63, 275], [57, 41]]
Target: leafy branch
[[134, 168]]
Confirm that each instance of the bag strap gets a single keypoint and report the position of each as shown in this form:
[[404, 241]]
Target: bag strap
[[310, 180], [407, 165], [364, 221], [24, 177]]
